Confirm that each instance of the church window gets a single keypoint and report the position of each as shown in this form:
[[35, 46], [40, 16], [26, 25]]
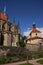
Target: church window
[[9, 28], [3, 27], [36, 34], [30, 34]]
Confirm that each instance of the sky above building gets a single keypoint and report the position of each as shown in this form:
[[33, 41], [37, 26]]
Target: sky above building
[[26, 12]]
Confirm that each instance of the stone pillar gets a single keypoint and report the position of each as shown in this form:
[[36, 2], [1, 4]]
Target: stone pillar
[[14, 40], [7, 39]]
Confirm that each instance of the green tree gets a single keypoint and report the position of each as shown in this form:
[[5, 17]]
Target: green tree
[[22, 42]]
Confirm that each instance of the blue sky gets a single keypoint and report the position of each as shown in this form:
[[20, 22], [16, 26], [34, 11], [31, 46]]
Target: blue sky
[[26, 11]]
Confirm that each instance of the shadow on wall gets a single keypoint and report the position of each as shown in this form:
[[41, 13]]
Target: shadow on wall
[[1, 39]]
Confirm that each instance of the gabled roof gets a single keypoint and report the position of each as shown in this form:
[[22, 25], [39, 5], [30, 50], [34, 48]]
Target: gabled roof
[[35, 30], [4, 17]]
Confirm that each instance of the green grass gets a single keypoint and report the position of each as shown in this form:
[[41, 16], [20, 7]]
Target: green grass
[[8, 60], [26, 64], [40, 61]]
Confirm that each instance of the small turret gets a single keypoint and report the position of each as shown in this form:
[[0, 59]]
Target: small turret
[[18, 27], [34, 25], [18, 24]]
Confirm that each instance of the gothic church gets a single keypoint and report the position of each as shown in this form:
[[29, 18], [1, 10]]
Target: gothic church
[[9, 33]]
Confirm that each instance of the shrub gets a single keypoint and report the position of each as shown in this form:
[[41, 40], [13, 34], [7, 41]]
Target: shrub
[[40, 61]]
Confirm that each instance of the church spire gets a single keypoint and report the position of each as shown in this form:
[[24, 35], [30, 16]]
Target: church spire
[[4, 7], [14, 21], [18, 24]]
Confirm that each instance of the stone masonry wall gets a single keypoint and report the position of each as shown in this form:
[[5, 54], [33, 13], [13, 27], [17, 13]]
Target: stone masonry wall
[[34, 47]]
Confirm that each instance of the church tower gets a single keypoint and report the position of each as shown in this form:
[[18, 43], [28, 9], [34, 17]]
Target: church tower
[[4, 7], [4, 27], [9, 33]]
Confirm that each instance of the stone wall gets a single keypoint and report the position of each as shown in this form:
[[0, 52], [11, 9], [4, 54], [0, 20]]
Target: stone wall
[[34, 47], [13, 51]]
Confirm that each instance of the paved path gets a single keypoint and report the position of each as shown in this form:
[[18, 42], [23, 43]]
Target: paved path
[[33, 61]]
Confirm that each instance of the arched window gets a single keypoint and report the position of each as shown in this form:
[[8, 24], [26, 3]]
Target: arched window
[[36, 34]]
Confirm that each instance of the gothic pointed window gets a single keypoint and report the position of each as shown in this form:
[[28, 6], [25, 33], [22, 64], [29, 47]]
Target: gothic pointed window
[[3, 27]]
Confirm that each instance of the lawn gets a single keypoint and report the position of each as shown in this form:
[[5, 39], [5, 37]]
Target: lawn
[[8, 60], [40, 61], [26, 64]]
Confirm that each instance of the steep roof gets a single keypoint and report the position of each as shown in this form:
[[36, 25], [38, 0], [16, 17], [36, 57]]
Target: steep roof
[[4, 17]]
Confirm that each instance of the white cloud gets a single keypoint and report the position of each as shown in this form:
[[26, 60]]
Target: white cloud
[[26, 33], [41, 29]]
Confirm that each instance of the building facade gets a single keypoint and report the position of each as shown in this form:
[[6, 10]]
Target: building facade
[[9, 33], [34, 36], [35, 41]]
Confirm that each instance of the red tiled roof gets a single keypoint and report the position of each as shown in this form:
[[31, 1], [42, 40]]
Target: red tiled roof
[[35, 38], [35, 30], [4, 17]]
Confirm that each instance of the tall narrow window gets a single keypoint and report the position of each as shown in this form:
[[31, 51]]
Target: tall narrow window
[[36, 34]]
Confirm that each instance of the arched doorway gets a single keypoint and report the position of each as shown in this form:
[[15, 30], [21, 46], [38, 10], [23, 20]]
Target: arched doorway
[[1, 39]]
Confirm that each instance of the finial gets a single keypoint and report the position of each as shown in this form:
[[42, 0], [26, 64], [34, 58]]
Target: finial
[[4, 7], [34, 23]]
